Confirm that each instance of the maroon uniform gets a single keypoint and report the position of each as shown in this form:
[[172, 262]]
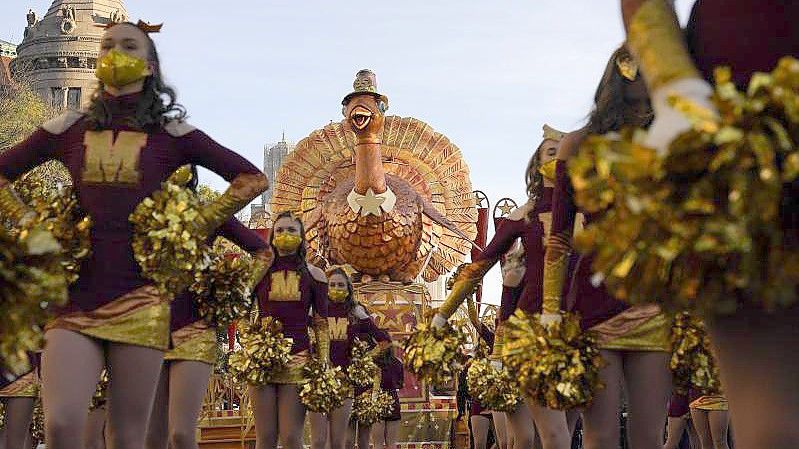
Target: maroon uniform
[[592, 302], [344, 328], [678, 405], [746, 35], [113, 170], [288, 293], [391, 381], [183, 308]]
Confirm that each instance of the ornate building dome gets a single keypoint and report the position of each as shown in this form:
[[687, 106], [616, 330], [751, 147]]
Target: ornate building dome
[[59, 51]]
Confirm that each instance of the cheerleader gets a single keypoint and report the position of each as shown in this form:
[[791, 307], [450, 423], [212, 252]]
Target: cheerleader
[[522, 288], [189, 363], [347, 320], [754, 348], [19, 396], [131, 139], [480, 418], [291, 290], [679, 420], [385, 432], [634, 341], [711, 418]]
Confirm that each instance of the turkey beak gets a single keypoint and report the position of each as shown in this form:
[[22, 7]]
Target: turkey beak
[[360, 117]]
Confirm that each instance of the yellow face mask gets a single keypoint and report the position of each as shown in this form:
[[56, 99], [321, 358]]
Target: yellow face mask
[[118, 69], [337, 294], [548, 169], [287, 242]]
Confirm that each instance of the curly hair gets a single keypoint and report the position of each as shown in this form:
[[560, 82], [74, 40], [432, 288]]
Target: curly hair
[[157, 103]]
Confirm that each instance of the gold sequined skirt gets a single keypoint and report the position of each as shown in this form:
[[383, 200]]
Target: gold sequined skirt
[[712, 403], [292, 373], [639, 328], [194, 342], [139, 318], [26, 386]]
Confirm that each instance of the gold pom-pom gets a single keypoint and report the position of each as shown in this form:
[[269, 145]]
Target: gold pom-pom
[[714, 219], [434, 354], [362, 370], [58, 212], [692, 363], [222, 293], [264, 350], [495, 389], [168, 245], [557, 365], [101, 392], [323, 389], [37, 423], [2, 414], [371, 406], [31, 279]]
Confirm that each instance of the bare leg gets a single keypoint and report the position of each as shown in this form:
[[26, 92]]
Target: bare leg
[[501, 430], [601, 418], [265, 404], [675, 428], [319, 430], [158, 427], [757, 355], [95, 429], [71, 366], [364, 433], [392, 434], [19, 412], [693, 437], [352, 431], [379, 435], [134, 372], [339, 427], [522, 427], [648, 380], [291, 416], [188, 384], [480, 426], [552, 426], [719, 424], [702, 425]]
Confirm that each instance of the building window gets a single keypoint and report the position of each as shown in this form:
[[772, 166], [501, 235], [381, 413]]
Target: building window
[[73, 98], [57, 97]]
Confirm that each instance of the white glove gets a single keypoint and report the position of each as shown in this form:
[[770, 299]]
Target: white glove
[[438, 321], [548, 319], [496, 364], [670, 123]]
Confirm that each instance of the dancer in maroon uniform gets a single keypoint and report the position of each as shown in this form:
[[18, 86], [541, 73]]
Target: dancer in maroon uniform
[[189, 363], [634, 341], [754, 348], [522, 286], [678, 422], [289, 293], [347, 320], [130, 140], [19, 396], [385, 432]]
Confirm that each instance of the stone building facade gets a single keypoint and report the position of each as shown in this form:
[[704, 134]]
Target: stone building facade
[[58, 53]]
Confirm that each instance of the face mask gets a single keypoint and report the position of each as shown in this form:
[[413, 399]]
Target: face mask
[[118, 69], [548, 169], [287, 242], [337, 294]]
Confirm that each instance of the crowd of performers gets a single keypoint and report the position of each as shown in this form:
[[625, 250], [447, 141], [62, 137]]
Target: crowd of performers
[[159, 354]]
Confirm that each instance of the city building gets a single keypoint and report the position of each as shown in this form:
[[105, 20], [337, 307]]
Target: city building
[[8, 52], [273, 157], [58, 52]]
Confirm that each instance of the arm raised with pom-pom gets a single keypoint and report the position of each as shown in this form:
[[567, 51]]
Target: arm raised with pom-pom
[[657, 42]]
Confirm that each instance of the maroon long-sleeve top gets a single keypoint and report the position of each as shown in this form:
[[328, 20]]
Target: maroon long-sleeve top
[[184, 310], [345, 328], [112, 171], [289, 293]]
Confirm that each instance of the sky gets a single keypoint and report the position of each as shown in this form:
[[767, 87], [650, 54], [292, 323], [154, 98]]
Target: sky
[[487, 74]]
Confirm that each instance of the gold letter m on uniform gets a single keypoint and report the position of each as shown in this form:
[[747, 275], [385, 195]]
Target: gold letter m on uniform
[[109, 161]]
